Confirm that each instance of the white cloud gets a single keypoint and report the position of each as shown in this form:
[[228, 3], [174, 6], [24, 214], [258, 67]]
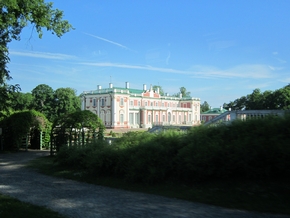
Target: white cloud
[[256, 71], [168, 57], [220, 45], [45, 55], [127, 66], [281, 60], [241, 71], [276, 68]]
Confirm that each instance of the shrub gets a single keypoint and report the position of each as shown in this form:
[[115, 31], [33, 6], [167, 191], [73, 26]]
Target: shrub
[[254, 149]]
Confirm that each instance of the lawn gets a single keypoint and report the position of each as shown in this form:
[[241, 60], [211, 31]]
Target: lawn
[[10, 207]]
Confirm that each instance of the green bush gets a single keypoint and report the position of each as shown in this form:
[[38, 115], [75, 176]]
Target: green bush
[[253, 149], [22, 123]]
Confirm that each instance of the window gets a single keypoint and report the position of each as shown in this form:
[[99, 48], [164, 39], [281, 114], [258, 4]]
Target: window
[[122, 101], [162, 104], [103, 102], [151, 103], [94, 102], [163, 118], [149, 118], [137, 118], [131, 103], [156, 118], [139, 104], [108, 116], [103, 115], [121, 118], [131, 118], [146, 103], [173, 118]]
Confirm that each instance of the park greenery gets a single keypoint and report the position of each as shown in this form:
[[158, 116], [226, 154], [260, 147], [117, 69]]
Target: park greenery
[[267, 100], [253, 149], [16, 15], [27, 115], [11, 207], [241, 165]]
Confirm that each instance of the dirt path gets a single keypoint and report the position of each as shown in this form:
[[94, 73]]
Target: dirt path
[[75, 199]]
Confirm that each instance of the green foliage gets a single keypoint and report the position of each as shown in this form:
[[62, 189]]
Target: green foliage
[[78, 128], [20, 124], [156, 87], [257, 100], [183, 92], [14, 16], [43, 99], [11, 207], [252, 149], [65, 101], [204, 107]]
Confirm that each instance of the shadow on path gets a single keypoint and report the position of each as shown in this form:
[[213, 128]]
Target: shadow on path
[[75, 199]]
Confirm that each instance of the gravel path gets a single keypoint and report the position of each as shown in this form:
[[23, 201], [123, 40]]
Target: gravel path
[[75, 199]]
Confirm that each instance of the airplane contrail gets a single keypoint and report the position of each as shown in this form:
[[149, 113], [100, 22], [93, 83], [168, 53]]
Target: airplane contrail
[[109, 41]]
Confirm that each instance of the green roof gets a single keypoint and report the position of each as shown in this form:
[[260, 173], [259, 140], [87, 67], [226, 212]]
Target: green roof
[[215, 111]]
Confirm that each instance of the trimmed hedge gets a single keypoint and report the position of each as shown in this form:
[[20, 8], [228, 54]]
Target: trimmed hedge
[[253, 149]]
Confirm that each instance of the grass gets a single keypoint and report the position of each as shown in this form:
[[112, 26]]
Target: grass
[[10, 207], [271, 196]]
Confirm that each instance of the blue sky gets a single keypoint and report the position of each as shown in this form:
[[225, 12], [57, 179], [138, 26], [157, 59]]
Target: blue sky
[[219, 50]]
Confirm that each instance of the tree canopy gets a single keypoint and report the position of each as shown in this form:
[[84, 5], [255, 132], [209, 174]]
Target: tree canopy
[[183, 92], [156, 87], [204, 107], [14, 16], [257, 100]]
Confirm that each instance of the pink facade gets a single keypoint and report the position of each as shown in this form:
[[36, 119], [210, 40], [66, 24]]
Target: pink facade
[[132, 108]]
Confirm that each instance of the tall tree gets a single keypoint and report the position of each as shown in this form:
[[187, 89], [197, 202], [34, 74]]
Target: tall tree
[[43, 99], [17, 14], [66, 101], [21, 101], [156, 87], [257, 100], [204, 107], [184, 92]]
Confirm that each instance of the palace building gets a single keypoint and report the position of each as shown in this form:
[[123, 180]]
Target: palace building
[[122, 108]]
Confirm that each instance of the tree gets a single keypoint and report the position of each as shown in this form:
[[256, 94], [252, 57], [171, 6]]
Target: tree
[[156, 87], [204, 107], [65, 101], [257, 100], [17, 14], [43, 99], [183, 92], [21, 101], [282, 97]]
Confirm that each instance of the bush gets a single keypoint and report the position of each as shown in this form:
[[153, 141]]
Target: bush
[[254, 149]]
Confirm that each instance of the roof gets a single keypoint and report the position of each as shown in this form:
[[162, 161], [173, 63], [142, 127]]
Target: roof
[[136, 92], [215, 111]]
